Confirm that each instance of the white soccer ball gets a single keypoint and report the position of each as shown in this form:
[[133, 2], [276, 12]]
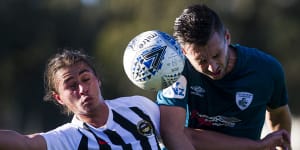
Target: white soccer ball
[[153, 60]]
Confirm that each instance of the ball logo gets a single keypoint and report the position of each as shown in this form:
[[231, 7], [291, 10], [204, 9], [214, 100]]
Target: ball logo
[[147, 39], [148, 63], [145, 128]]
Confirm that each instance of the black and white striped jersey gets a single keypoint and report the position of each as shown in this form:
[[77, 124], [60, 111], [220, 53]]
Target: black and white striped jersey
[[133, 123]]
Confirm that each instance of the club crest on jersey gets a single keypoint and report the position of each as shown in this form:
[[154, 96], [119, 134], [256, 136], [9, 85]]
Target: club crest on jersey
[[243, 99], [145, 128]]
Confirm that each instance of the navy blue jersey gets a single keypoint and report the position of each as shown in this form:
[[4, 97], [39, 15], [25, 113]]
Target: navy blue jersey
[[236, 104]]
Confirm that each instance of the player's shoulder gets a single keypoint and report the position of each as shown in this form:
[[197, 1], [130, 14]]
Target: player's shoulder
[[257, 56], [67, 128], [130, 101], [254, 52], [66, 136], [126, 104]]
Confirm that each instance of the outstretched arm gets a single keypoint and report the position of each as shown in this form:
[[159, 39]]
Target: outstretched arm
[[13, 140]]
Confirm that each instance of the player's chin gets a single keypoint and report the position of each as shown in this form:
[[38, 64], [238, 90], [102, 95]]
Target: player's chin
[[85, 111], [87, 108], [215, 76]]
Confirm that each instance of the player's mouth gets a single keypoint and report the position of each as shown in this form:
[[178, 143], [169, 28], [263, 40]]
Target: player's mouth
[[86, 100], [215, 75]]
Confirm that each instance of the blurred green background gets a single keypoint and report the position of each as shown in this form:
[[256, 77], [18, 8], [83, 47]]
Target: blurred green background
[[32, 30]]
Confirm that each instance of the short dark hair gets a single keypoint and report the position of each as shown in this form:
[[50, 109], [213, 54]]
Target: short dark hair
[[196, 24], [64, 58]]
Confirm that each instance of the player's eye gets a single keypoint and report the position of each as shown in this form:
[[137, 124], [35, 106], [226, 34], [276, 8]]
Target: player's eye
[[72, 86], [202, 61], [85, 79], [216, 56]]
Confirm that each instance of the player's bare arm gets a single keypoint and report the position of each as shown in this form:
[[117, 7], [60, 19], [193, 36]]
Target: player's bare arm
[[172, 127], [204, 139], [280, 118], [13, 140]]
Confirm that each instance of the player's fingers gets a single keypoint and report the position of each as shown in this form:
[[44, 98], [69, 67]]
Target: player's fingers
[[285, 136], [285, 140]]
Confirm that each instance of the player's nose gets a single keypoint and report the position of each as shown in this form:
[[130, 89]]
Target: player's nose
[[83, 89], [212, 66]]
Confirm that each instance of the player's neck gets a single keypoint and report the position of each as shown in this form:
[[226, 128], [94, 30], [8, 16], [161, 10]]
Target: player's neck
[[98, 118], [231, 59]]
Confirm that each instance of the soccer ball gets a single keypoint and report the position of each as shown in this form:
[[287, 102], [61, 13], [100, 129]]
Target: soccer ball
[[153, 60]]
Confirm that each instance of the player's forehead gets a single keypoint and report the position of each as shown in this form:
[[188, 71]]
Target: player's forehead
[[68, 72], [215, 43]]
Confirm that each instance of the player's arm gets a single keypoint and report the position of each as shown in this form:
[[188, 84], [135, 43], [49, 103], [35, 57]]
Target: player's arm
[[279, 118], [205, 139], [176, 137], [172, 120], [13, 140]]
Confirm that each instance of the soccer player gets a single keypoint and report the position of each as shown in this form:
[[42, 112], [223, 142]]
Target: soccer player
[[73, 83], [225, 91]]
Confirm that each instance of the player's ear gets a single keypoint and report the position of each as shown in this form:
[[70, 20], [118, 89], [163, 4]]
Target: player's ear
[[184, 49], [227, 37], [100, 83], [57, 98]]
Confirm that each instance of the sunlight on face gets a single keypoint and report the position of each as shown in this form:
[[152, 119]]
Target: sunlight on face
[[211, 59], [78, 88]]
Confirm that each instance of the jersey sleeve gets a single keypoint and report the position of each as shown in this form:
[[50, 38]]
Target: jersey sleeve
[[279, 97], [174, 95], [63, 137]]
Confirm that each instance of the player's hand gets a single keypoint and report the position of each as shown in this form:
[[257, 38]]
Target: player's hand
[[280, 138]]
